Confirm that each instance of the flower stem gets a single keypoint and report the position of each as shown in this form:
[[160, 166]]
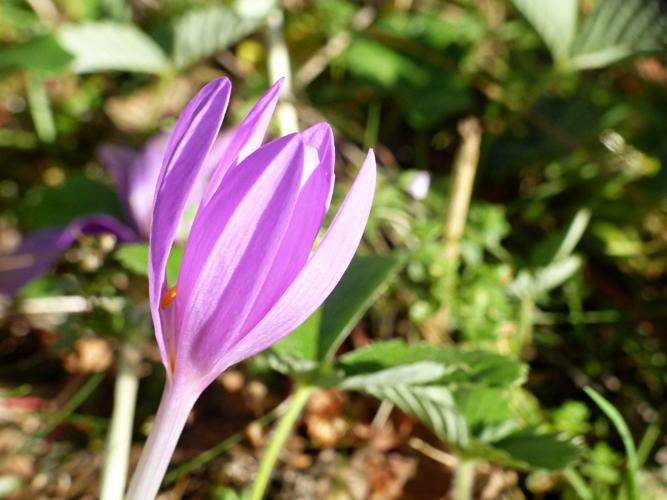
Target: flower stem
[[283, 429], [114, 471], [464, 480], [175, 406]]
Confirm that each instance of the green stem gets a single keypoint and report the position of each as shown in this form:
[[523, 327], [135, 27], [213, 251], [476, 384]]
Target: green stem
[[464, 480], [280, 435], [526, 314], [119, 439], [40, 109]]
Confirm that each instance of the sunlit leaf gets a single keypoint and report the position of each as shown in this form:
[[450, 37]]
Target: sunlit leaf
[[202, 32], [554, 20], [111, 46], [618, 29]]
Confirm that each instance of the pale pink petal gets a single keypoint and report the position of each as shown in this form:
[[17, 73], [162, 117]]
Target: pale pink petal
[[320, 275], [248, 136], [307, 219], [188, 147], [232, 245]]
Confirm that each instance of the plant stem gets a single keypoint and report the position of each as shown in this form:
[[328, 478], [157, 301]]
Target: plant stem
[[175, 406], [525, 327], [40, 109], [280, 67], [283, 429], [119, 439], [464, 480]]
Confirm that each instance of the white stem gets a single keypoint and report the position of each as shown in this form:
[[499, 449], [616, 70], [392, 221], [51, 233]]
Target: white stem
[[280, 67], [169, 422], [119, 439]]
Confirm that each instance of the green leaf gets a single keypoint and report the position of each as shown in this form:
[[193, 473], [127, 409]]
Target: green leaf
[[134, 258], [622, 428], [530, 449], [111, 46], [203, 32], [618, 29], [458, 365], [561, 244], [42, 55], [433, 405], [57, 206], [320, 336], [554, 20]]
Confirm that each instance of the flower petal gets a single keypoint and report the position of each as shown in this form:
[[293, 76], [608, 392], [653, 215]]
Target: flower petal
[[119, 161], [319, 276], [39, 251], [188, 147], [307, 219], [248, 137], [231, 248]]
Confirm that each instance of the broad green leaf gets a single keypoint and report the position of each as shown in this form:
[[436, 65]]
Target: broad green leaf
[[554, 20], [618, 29], [57, 206], [134, 258], [433, 405], [111, 46], [42, 55], [202, 32], [459, 366], [421, 372], [531, 449], [320, 337]]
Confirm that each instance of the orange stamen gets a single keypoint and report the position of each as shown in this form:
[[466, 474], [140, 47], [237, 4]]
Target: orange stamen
[[168, 298], [172, 362]]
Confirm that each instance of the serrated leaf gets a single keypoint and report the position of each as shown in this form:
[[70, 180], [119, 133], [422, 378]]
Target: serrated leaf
[[202, 32], [554, 20], [320, 336], [134, 258], [460, 366], [111, 46], [434, 406], [42, 55], [618, 29]]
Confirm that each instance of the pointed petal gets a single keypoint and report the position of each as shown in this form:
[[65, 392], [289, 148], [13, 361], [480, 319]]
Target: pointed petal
[[307, 219], [232, 245], [320, 275], [188, 147], [39, 251], [248, 137]]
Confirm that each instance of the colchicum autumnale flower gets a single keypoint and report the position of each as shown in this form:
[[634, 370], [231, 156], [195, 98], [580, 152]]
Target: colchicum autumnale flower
[[249, 274], [135, 175]]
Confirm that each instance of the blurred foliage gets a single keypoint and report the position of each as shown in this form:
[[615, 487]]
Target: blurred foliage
[[560, 280]]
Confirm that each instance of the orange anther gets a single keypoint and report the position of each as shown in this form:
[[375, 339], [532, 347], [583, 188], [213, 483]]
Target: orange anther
[[167, 298]]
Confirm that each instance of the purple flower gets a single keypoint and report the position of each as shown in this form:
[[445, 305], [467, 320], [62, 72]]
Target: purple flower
[[249, 274], [135, 175]]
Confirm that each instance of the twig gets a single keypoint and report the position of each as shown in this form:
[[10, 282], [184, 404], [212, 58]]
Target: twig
[[464, 170], [433, 453]]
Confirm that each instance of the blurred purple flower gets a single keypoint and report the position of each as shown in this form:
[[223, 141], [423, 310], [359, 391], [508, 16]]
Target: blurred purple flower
[[135, 174], [248, 276]]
